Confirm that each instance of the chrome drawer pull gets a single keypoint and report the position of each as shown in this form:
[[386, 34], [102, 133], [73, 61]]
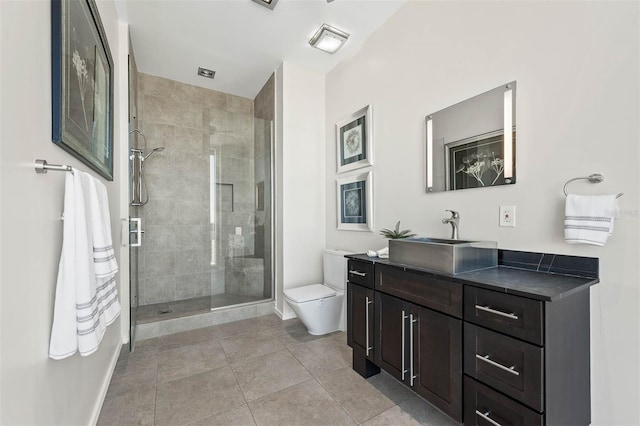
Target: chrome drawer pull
[[411, 321], [404, 317], [358, 273], [493, 311], [487, 418], [367, 323], [488, 360]]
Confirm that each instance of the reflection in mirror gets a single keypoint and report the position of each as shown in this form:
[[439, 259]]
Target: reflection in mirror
[[467, 145]]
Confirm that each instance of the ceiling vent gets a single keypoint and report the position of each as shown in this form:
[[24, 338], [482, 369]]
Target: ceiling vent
[[206, 73]]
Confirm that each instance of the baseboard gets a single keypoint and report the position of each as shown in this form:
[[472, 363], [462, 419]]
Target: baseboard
[[105, 386], [278, 312], [283, 316]]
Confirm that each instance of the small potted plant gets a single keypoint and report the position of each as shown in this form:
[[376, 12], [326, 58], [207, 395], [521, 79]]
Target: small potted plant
[[396, 233]]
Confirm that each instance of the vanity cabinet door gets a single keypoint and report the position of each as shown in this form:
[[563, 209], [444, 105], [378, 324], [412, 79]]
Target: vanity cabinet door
[[437, 344], [423, 349], [392, 338], [360, 319]]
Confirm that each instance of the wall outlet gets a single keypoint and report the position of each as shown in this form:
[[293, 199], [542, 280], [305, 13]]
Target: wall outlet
[[508, 216]]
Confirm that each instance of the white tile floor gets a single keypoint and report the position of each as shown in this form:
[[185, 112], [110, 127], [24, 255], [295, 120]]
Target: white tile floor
[[260, 371]]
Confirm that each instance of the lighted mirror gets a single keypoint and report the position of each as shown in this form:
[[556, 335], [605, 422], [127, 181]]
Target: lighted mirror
[[472, 143]]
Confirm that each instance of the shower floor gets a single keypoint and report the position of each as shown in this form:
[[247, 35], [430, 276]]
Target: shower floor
[[188, 307]]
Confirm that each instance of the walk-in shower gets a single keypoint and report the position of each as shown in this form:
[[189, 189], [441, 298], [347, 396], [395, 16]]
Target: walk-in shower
[[205, 204]]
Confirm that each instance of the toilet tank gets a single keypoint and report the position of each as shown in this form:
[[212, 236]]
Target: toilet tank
[[335, 268]]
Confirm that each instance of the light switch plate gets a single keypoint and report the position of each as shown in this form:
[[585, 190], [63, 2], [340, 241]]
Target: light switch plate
[[508, 216]]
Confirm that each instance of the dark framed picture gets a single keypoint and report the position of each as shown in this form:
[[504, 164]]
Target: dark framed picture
[[355, 140], [82, 84], [476, 162], [355, 202]]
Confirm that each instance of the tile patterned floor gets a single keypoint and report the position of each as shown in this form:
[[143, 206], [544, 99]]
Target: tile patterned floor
[[260, 371]]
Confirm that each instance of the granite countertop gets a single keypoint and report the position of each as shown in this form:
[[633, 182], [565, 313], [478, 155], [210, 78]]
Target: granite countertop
[[534, 284]]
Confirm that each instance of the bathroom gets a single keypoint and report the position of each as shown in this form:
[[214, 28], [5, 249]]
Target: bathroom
[[576, 64]]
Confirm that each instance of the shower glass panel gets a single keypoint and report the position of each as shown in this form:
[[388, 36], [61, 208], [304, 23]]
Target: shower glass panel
[[240, 216]]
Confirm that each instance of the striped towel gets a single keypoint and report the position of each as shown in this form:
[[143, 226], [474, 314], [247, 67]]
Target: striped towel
[[86, 295], [589, 218]]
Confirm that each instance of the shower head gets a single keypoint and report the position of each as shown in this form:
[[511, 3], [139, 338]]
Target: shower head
[[154, 150]]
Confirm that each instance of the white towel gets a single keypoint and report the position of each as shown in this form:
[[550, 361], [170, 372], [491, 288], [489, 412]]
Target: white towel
[[86, 296], [589, 218], [382, 253]]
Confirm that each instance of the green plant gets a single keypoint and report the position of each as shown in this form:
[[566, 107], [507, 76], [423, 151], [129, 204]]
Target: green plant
[[396, 233]]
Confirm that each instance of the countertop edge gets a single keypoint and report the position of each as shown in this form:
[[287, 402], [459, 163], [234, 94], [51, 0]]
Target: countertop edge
[[588, 281]]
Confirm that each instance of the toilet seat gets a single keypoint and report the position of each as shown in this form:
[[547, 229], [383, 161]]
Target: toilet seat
[[309, 292]]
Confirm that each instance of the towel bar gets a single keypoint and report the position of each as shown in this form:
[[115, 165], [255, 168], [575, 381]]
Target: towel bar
[[42, 166], [594, 178]]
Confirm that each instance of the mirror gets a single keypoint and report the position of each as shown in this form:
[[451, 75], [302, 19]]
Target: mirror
[[467, 145]]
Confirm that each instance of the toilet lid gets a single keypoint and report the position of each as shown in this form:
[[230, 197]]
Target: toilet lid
[[309, 292]]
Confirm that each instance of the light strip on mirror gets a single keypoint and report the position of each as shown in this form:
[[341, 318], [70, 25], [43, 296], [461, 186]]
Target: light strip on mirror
[[429, 154], [508, 134]]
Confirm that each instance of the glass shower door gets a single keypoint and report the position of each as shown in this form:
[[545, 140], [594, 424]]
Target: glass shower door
[[241, 218]]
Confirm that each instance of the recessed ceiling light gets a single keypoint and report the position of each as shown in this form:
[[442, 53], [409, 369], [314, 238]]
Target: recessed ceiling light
[[328, 39], [267, 3], [206, 73]]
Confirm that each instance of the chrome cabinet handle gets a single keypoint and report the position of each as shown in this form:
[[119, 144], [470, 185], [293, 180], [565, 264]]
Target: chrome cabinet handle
[[488, 360], [493, 311], [358, 273], [367, 323], [487, 418], [404, 317], [411, 321]]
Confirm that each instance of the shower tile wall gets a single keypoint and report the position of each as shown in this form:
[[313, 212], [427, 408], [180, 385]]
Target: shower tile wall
[[188, 121]]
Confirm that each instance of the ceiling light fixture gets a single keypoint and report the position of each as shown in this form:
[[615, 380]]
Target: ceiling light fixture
[[328, 39], [206, 73], [270, 4]]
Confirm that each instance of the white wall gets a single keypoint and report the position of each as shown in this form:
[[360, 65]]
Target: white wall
[[576, 65], [35, 389], [300, 174]]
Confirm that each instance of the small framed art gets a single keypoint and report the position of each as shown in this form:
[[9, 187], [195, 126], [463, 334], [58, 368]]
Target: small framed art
[[355, 202], [354, 138]]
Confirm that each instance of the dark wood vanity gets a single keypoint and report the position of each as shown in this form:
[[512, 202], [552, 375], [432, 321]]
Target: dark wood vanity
[[507, 345]]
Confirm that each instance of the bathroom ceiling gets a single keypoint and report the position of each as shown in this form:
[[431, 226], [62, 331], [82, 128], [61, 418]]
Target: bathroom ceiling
[[241, 40]]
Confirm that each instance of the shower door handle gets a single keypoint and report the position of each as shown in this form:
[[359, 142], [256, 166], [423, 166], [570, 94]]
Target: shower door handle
[[137, 231]]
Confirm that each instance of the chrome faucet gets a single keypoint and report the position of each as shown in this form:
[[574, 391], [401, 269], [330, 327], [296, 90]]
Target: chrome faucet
[[454, 221]]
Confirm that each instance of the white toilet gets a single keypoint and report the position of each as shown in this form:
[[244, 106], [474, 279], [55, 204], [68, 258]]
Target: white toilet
[[321, 307]]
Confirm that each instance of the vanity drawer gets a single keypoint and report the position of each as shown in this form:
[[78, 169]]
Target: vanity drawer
[[513, 315], [360, 273], [511, 366], [424, 289], [485, 407]]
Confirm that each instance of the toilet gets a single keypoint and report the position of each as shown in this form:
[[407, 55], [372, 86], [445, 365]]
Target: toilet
[[321, 307]]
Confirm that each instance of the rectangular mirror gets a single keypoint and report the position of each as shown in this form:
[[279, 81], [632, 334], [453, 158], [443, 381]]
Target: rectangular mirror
[[468, 144]]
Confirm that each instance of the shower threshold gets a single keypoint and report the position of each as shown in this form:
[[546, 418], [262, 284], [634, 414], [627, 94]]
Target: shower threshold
[[184, 308]]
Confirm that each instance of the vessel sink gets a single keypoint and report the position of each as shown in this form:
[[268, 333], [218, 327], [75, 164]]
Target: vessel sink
[[442, 255]]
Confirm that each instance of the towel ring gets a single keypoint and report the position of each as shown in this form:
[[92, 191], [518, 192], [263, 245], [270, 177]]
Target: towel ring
[[594, 178]]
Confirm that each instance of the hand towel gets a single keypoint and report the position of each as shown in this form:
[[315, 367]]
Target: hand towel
[[382, 253], [86, 297], [104, 258], [589, 218]]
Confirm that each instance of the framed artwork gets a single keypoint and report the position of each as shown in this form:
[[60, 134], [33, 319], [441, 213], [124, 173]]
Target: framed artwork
[[354, 138], [355, 202], [82, 84], [475, 162]]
